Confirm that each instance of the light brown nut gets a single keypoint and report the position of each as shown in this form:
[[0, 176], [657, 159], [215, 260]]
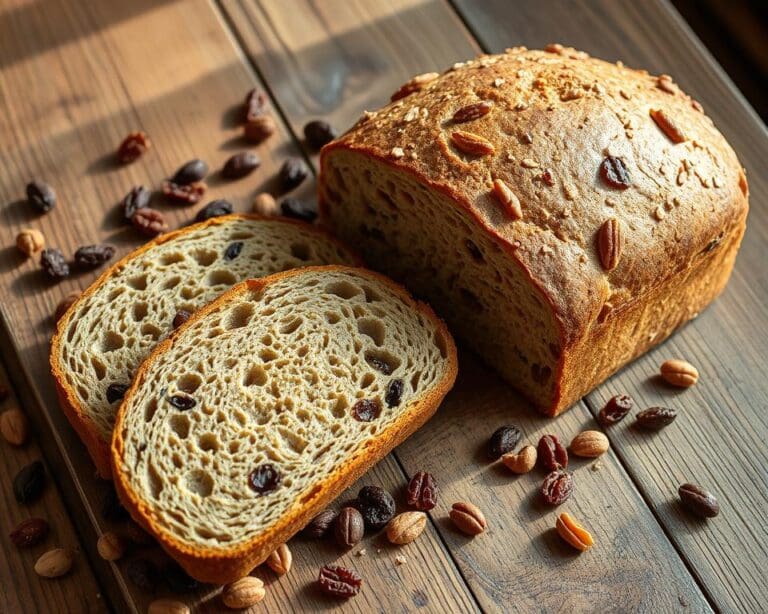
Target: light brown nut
[[472, 112], [243, 593], [406, 527], [471, 144], [414, 85], [468, 518], [30, 241], [609, 243], [589, 444], [167, 606], [679, 373], [65, 304], [667, 125], [14, 426], [266, 205], [260, 128], [54, 563], [507, 198], [522, 462], [280, 560], [573, 533], [111, 546]]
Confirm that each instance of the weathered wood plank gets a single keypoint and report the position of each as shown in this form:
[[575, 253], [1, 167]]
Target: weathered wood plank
[[360, 53], [719, 439], [75, 80]]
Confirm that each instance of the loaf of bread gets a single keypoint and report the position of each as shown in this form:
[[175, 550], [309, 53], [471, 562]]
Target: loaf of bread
[[564, 214], [259, 411], [110, 330]]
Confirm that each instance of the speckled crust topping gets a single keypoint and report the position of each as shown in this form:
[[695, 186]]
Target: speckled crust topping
[[576, 141]]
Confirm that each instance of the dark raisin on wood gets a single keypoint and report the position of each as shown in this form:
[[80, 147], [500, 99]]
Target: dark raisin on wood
[[292, 173], [264, 478], [698, 501], [143, 573], [297, 209], [551, 453], [376, 505], [503, 441], [29, 532], [656, 418], [29, 483], [182, 401], [233, 250], [318, 133], [615, 410], [181, 317], [320, 524], [136, 199], [91, 256], [422, 491], [41, 196], [240, 165], [349, 527], [215, 208], [614, 173], [557, 487], [149, 222], [115, 392], [190, 172], [178, 580], [111, 508], [53, 263], [394, 393], [366, 410], [256, 104], [133, 146], [339, 581], [188, 194]]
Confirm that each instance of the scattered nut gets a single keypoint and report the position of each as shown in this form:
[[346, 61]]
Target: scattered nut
[[167, 606], [54, 563], [468, 518], [29, 532], [243, 593], [589, 444], [65, 304], [14, 426], [280, 560], [111, 546], [266, 205], [698, 501], [132, 147], [260, 128], [349, 528], [30, 241], [679, 373], [573, 533], [522, 462], [406, 527]]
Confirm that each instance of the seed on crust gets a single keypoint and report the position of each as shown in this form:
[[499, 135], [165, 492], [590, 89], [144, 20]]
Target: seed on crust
[[507, 198], [667, 126], [472, 112], [471, 144]]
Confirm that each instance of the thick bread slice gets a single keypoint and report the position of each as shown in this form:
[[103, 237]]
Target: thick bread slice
[[292, 374], [111, 329]]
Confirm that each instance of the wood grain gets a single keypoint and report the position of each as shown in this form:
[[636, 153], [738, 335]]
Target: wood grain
[[75, 80], [719, 439], [520, 563]]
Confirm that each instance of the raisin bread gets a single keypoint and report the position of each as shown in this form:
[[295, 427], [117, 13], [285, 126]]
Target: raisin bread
[[270, 401], [564, 214], [107, 333]]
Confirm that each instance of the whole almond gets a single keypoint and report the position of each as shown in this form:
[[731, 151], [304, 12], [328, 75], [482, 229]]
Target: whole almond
[[522, 462], [471, 144], [609, 243], [266, 205], [167, 606], [589, 444], [14, 426], [260, 128], [65, 304], [667, 125], [111, 546], [54, 563], [243, 593], [406, 527], [573, 533], [468, 518], [30, 241], [280, 560], [679, 373], [507, 199]]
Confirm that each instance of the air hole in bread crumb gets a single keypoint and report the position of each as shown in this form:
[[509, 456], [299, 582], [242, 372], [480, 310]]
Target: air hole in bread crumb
[[301, 251], [137, 282], [173, 258], [367, 380], [177, 462], [234, 447], [220, 277], [310, 495], [171, 282], [199, 482], [266, 340], [189, 382], [240, 315], [113, 295], [342, 289], [332, 317], [302, 351], [155, 483], [286, 328], [267, 355], [256, 376], [83, 392], [294, 442], [216, 332], [151, 330], [415, 380], [99, 368], [140, 311], [205, 257], [208, 442], [370, 294], [441, 344], [111, 342], [339, 408], [179, 424], [241, 418], [372, 328]]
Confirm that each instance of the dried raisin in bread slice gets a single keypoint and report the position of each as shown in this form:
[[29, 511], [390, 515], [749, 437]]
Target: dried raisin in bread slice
[[270, 401], [110, 330]]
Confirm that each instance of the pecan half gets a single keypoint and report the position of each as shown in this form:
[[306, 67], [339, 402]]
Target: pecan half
[[471, 144], [609, 243]]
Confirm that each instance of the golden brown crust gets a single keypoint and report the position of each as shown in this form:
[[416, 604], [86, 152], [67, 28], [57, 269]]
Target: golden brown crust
[[228, 564], [80, 421], [555, 116]]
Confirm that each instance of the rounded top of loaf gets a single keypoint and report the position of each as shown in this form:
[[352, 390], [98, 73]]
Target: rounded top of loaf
[[519, 139]]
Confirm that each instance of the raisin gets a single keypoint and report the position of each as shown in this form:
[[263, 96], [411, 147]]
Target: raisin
[[149, 222], [111, 508], [233, 250], [178, 580], [264, 478], [615, 409], [41, 196], [192, 171], [215, 208], [698, 501], [29, 532], [181, 317], [136, 199], [188, 194], [297, 209], [339, 581], [656, 418], [320, 524], [240, 165], [349, 527], [255, 105], [614, 173], [366, 410], [29, 483], [376, 505], [53, 263], [115, 392], [90, 256], [551, 453], [292, 173], [503, 441], [182, 401], [394, 393], [318, 133], [379, 365], [143, 574], [557, 487], [422, 491], [132, 147]]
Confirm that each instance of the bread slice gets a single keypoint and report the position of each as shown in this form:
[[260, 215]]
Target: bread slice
[[111, 329], [300, 381]]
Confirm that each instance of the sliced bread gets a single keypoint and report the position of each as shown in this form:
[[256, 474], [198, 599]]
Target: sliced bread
[[104, 337], [270, 401]]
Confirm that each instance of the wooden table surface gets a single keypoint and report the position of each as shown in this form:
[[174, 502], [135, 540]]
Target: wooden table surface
[[76, 77]]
